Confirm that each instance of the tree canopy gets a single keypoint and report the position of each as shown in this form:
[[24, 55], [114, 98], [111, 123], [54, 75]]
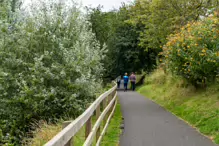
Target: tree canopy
[[134, 34]]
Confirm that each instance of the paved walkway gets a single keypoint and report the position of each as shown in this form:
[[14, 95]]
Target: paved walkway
[[148, 124]]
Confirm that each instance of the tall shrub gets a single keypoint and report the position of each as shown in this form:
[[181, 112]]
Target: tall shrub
[[194, 52], [49, 67]]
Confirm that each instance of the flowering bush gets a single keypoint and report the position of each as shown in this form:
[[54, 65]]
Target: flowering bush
[[194, 52], [50, 66]]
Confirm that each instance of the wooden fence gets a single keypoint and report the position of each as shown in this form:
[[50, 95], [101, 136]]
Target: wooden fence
[[66, 137]]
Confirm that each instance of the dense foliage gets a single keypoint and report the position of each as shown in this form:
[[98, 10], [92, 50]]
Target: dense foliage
[[122, 41], [53, 57], [50, 66], [194, 52], [134, 34], [160, 18]]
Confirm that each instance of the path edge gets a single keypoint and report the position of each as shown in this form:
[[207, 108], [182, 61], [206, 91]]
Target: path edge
[[181, 119]]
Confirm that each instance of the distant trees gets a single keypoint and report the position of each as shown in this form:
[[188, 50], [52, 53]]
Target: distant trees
[[160, 18], [122, 39], [135, 33]]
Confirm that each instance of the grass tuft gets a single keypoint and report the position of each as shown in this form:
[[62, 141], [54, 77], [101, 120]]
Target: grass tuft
[[43, 134], [46, 131]]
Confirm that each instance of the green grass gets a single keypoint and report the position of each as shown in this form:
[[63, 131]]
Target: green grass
[[200, 108], [46, 131], [112, 135], [43, 133]]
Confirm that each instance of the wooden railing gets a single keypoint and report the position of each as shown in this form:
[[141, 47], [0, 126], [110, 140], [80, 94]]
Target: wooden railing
[[70, 129]]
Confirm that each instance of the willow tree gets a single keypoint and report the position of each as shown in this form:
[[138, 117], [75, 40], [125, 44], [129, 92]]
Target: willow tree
[[50, 67]]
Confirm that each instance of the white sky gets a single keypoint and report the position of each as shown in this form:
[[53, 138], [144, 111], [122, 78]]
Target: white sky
[[107, 4]]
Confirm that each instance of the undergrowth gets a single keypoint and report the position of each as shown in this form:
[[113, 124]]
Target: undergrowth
[[46, 131]]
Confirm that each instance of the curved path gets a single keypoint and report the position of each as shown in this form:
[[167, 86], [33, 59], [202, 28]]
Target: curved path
[[148, 124]]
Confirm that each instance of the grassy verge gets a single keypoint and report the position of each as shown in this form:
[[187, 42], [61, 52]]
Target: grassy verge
[[200, 108], [46, 132], [111, 138]]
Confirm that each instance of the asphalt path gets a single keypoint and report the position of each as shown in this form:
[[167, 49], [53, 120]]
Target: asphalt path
[[148, 124]]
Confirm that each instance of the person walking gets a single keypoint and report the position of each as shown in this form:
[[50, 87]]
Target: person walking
[[118, 81], [126, 80], [133, 81]]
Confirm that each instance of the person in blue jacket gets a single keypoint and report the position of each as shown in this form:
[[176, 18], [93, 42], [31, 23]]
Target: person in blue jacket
[[126, 80]]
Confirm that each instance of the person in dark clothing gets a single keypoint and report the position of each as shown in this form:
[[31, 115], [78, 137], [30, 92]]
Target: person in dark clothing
[[133, 81], [126, 80], [118, 81]]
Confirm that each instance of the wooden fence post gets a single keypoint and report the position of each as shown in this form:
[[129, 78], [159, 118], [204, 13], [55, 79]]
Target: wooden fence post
[[70, 142], [109, 98], [88, 125], [97, 116], [104, 106]]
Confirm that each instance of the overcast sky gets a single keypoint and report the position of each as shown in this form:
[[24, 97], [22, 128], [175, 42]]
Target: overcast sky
[[107, 4]]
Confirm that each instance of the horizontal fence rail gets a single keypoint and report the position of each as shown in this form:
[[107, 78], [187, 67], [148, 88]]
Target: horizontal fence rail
[[66, 136]]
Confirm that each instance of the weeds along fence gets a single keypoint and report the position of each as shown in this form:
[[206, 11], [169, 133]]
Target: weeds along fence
[[103, 108]]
